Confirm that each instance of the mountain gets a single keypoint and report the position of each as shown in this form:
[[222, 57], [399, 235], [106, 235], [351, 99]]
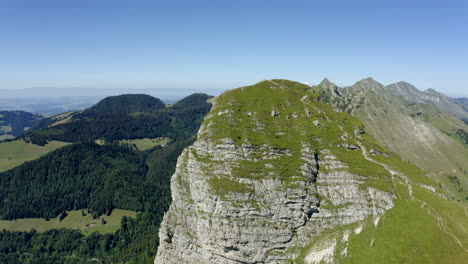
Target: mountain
[[430, 96], [280, 173], [125, 117], [15, 123], [462, 102], [124, 104], [421, 133]]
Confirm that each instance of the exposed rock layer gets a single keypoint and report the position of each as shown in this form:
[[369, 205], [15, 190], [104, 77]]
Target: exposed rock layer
[[246, 196]]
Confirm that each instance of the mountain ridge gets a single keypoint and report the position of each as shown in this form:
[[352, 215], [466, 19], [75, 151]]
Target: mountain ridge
[[411, 126], [290, 178]]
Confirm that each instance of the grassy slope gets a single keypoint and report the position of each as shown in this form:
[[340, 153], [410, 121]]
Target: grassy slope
[[408, 233], [74, 220], [15, 153], [411, 232], [419, 139], [285, 131]]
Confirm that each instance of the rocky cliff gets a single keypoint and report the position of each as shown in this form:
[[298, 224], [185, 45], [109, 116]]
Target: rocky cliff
[[272, 170]]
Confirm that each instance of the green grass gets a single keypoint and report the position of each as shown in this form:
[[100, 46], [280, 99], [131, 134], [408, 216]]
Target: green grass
[[74, 220], [408, 234], [245, 116], [224, 186], [15, 153], [427, 140], [146, 143]]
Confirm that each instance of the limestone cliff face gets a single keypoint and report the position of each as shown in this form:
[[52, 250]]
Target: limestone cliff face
[[269, 174]]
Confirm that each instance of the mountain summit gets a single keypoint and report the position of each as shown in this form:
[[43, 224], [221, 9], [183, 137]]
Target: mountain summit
[[278, 175]]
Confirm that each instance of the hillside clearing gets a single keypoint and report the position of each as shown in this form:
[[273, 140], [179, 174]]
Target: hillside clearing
[[74, 220], [146, 143], [15, 153]]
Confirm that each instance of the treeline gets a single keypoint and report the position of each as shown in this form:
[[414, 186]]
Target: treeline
[[178, 122], [135, 242]]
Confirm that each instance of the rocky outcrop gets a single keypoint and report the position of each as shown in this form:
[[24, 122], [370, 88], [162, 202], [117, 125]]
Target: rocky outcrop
[[250, 191]]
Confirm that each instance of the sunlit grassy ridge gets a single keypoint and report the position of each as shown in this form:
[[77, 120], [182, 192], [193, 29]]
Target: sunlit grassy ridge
[[281, 115], [420, 133]]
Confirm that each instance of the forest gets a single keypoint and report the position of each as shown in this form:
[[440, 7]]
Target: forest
[[135, 242], [104, 121], [98, 178]]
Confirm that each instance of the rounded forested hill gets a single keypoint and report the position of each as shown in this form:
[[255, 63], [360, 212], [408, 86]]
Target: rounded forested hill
[[193, 100], [124, 104], [129, 117]]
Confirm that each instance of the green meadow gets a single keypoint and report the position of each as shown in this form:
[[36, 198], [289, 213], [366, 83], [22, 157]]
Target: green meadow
[[15, 153], [146, 143], [79, 219]]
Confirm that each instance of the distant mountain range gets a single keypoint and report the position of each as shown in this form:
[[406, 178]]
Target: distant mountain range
[[430, 96], [425, 128]]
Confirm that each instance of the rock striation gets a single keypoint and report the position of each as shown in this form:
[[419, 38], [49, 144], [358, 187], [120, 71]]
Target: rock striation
[[263, 180]]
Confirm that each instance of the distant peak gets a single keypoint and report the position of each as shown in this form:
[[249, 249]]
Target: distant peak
[[368, 81], [330, 88], [430, 90], [326, 83], [402, 84]]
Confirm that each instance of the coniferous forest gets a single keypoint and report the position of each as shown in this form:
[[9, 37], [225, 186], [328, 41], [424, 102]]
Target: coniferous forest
[[98, 178]]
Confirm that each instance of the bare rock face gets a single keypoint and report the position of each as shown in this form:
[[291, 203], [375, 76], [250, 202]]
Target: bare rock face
[[257, 187]]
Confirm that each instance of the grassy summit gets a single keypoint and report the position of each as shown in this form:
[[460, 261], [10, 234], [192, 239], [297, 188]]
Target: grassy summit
[[284, 114], [422, 227]]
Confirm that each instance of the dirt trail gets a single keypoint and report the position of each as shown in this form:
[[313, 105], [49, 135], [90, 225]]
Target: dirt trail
[[440, 222]]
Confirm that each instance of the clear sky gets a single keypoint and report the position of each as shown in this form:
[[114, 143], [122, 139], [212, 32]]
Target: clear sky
[[226, 44]]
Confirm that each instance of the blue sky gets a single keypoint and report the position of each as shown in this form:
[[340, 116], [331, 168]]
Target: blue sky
[[227, 44]]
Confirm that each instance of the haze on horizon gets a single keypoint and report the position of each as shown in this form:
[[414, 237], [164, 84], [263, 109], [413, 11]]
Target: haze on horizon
[[226, 44]]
